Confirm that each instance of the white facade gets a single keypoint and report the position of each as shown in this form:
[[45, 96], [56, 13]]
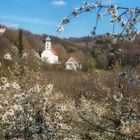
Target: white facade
[[72, 64], [2, 30], [49, 54], [48, 43]]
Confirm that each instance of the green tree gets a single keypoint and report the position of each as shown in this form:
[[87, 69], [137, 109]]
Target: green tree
[[89, 64], [102, 61], [20, 52], [20, 44]]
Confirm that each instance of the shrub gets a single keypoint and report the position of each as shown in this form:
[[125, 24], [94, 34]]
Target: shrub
[[102, 61], [89, 64]]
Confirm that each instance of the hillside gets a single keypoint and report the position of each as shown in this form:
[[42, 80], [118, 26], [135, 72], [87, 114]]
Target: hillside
[[97, 48]]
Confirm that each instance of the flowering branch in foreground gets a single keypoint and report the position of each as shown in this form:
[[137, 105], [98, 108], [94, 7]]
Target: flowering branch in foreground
[[127, 18]]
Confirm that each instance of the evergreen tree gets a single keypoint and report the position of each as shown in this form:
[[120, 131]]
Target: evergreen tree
[[20, 52], [20, 44]]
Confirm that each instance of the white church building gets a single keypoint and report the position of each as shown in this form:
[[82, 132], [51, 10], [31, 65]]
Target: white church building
[[49, 55]]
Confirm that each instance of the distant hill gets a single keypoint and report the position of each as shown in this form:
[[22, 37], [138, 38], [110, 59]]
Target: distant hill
[[66, 47]]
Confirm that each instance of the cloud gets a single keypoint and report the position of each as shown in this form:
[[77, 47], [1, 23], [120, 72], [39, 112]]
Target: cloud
[[27, 19], [11, 25], [59, 3]]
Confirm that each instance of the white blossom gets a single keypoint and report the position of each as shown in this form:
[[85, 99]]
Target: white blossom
[[131, 11], [123, 24], [65, 21], [49, 87], [93, 6], [118, 97], [3, 88], [35, 89], [17, 107], [7, 56], [7, 85], [100, 16], [119, 19], [75, 11], [124, 121], [60, 28], [3, 80], [99, 3], [112, 21], [15, 85]]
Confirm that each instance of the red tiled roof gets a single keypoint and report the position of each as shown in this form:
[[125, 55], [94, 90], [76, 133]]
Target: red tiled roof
[[53, 51], [76, 58]]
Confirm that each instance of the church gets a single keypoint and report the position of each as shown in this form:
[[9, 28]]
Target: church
[[49, 55]]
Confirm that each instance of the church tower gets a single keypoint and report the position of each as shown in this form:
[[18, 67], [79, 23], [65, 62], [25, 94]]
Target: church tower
[[49, 55], [48, 43]]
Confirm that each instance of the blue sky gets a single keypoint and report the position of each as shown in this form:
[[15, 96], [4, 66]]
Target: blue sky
[[43, 16]]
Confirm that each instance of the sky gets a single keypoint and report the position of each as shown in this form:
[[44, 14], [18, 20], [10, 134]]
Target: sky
[[43, 16]]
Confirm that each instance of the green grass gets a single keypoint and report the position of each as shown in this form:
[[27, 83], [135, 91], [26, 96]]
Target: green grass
[[103, 72]]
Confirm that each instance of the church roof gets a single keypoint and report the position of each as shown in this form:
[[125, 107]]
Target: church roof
[[73, 60], [48, 39], [53, 51]]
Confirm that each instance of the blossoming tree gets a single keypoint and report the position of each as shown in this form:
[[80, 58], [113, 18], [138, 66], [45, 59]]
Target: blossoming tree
[[126, 18]]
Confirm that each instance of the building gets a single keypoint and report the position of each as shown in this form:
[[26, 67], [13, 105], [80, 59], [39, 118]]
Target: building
[[73, 64], [49, 55], [2, 30]]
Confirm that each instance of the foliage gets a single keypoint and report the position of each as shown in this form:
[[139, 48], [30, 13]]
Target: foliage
[[72, 50], [89, 64], [64, 105], [102, 61], [20, 44]]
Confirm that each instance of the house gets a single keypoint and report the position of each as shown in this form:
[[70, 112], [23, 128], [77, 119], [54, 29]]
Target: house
[[73, 64], [49, 55], [2, 30]]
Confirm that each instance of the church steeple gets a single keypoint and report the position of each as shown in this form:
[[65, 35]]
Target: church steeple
[[49, 55], [48, 43]]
